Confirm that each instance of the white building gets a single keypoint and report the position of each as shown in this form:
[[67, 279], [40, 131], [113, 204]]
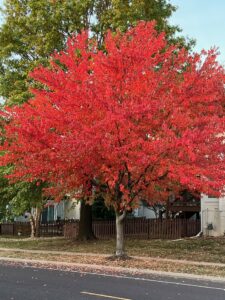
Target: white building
[[212, 216], [144, 212], [67, 209]]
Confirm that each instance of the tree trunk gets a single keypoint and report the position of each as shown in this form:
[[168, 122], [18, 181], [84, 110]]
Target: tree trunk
[[35, 222], [120, 248], [32, 225], [85, 232]]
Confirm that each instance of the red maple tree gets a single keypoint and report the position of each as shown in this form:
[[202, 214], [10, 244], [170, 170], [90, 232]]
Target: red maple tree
[[138, 119]]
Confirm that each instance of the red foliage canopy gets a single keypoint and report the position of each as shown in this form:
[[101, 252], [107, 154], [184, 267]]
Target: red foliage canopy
[[142, 117]]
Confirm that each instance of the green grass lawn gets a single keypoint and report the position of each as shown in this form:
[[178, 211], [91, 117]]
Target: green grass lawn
[[201, 249]]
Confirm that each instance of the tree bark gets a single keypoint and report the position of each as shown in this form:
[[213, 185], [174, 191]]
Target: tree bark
[[35, 222], [32, 225], [120, 247], [85, 232]]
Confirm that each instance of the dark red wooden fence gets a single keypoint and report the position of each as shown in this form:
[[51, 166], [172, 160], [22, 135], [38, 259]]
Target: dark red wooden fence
[[24, 229], [133, 228], [144, 229]]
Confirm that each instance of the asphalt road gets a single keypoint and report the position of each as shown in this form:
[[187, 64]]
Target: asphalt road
[[26, 283]]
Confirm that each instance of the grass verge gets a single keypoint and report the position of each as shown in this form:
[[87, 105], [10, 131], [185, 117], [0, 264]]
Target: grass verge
[[201, 249], [138, 263]]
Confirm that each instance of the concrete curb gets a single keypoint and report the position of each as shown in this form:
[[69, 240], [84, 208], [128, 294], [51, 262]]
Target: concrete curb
[[111, 270]]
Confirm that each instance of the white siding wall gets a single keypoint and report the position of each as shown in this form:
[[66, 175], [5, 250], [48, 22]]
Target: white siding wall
[[59, 210], [72, 209], [222, 215], [213, 212], [143, 211]]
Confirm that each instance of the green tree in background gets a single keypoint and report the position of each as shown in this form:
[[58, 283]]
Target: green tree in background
[[33, 29], [121, 14], [17, 198]]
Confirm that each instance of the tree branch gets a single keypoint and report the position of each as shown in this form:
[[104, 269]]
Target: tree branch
[[121, 217]]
